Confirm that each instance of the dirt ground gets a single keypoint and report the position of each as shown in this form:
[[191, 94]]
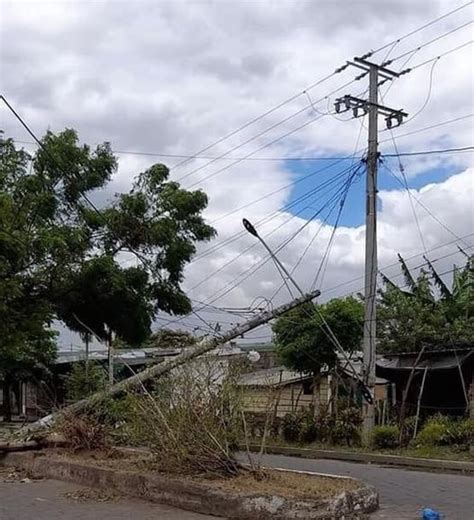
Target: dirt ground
[[269, 481]]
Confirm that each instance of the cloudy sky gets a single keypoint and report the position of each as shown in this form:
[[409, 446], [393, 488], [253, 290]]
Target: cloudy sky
[[181, 78]]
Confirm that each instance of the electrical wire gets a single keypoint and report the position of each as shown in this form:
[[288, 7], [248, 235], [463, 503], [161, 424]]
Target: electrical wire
[[402, 169], [249, 272], [428, 95], [405, 185], [426, 44], [317, 83], [273, 215]]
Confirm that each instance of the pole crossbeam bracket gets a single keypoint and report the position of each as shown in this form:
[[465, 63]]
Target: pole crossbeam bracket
[[348, 102], [381, 69]]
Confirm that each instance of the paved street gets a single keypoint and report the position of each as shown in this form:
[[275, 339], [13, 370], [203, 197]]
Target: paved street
[[402, 493], [46, 500]]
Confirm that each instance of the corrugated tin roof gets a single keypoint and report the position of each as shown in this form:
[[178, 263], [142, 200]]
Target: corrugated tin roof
[[443, 361]]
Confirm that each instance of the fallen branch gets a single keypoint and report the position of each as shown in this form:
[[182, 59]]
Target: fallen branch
[[19, 446]]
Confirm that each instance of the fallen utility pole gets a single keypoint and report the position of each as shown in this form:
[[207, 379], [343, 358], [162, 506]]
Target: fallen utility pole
[[170, 364]]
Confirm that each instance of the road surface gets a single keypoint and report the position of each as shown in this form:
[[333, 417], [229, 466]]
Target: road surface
[[47, 500], [403, 493]]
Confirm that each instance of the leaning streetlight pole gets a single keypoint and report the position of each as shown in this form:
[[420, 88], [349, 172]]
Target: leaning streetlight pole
[[372, 108], [324, 325]]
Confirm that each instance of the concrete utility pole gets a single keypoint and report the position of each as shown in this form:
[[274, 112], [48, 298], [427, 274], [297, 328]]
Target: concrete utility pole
[[372, 108], [110, 358]]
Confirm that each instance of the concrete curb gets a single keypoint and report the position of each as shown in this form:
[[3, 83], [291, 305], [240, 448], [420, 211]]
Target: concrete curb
[[438, 465], [197, 497]]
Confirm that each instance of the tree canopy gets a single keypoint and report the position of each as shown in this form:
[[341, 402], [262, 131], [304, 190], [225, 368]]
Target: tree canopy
[[301, 341], [63, 257], [427, 313]]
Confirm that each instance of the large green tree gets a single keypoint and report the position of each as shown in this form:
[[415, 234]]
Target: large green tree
[[62, 256], [426, 311], [301, 341]]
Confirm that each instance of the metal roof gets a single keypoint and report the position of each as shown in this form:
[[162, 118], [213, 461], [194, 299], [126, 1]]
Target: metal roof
[[443, 361], [276, 376]]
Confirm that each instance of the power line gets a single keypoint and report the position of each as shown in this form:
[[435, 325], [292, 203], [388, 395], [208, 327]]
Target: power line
[[389, 266], [284, 158], [422, 64], [437, 38], [402, 171], [418, 201], [428, 24], [300, 111], [276, 213], [430, 152], [424, 129], [261, 263], [251, 246], [317, 83]]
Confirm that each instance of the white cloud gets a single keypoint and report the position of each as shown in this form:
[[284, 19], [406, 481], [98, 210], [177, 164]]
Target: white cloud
[[172, 77]]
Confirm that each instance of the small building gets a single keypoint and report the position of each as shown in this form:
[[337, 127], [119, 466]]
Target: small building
[[284, 391], [433, 381]]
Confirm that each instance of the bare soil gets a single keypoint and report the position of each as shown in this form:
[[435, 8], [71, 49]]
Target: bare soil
[[290, 485]]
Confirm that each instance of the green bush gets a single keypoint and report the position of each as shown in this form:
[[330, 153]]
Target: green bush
[[460, 433], [433, 433], [308, 428], [82, 383], [291, 427], [408, 430], [304, 427], [385, 436], [346, 428], [445, 431]]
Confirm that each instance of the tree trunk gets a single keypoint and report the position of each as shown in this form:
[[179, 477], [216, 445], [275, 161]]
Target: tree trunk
[[7, 399]]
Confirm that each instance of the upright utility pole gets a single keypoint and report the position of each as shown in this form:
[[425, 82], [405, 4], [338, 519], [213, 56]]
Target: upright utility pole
[[371, 107], [111, 358]]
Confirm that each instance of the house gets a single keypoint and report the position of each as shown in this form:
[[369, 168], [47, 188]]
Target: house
[[33, 399], [284, 391]]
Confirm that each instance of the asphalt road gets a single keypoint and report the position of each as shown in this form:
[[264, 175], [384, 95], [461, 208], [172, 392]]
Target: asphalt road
[[403, 493], [48, 500]]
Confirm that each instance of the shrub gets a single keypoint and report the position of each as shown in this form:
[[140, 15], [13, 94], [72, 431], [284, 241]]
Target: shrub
[[193, 423], [84, 432], [460, 433], [408, 429], [325, 425], [346, 428], [291, 426], [385, 436], [444, 431], [433, 433], [308, 427], [82, 383]]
